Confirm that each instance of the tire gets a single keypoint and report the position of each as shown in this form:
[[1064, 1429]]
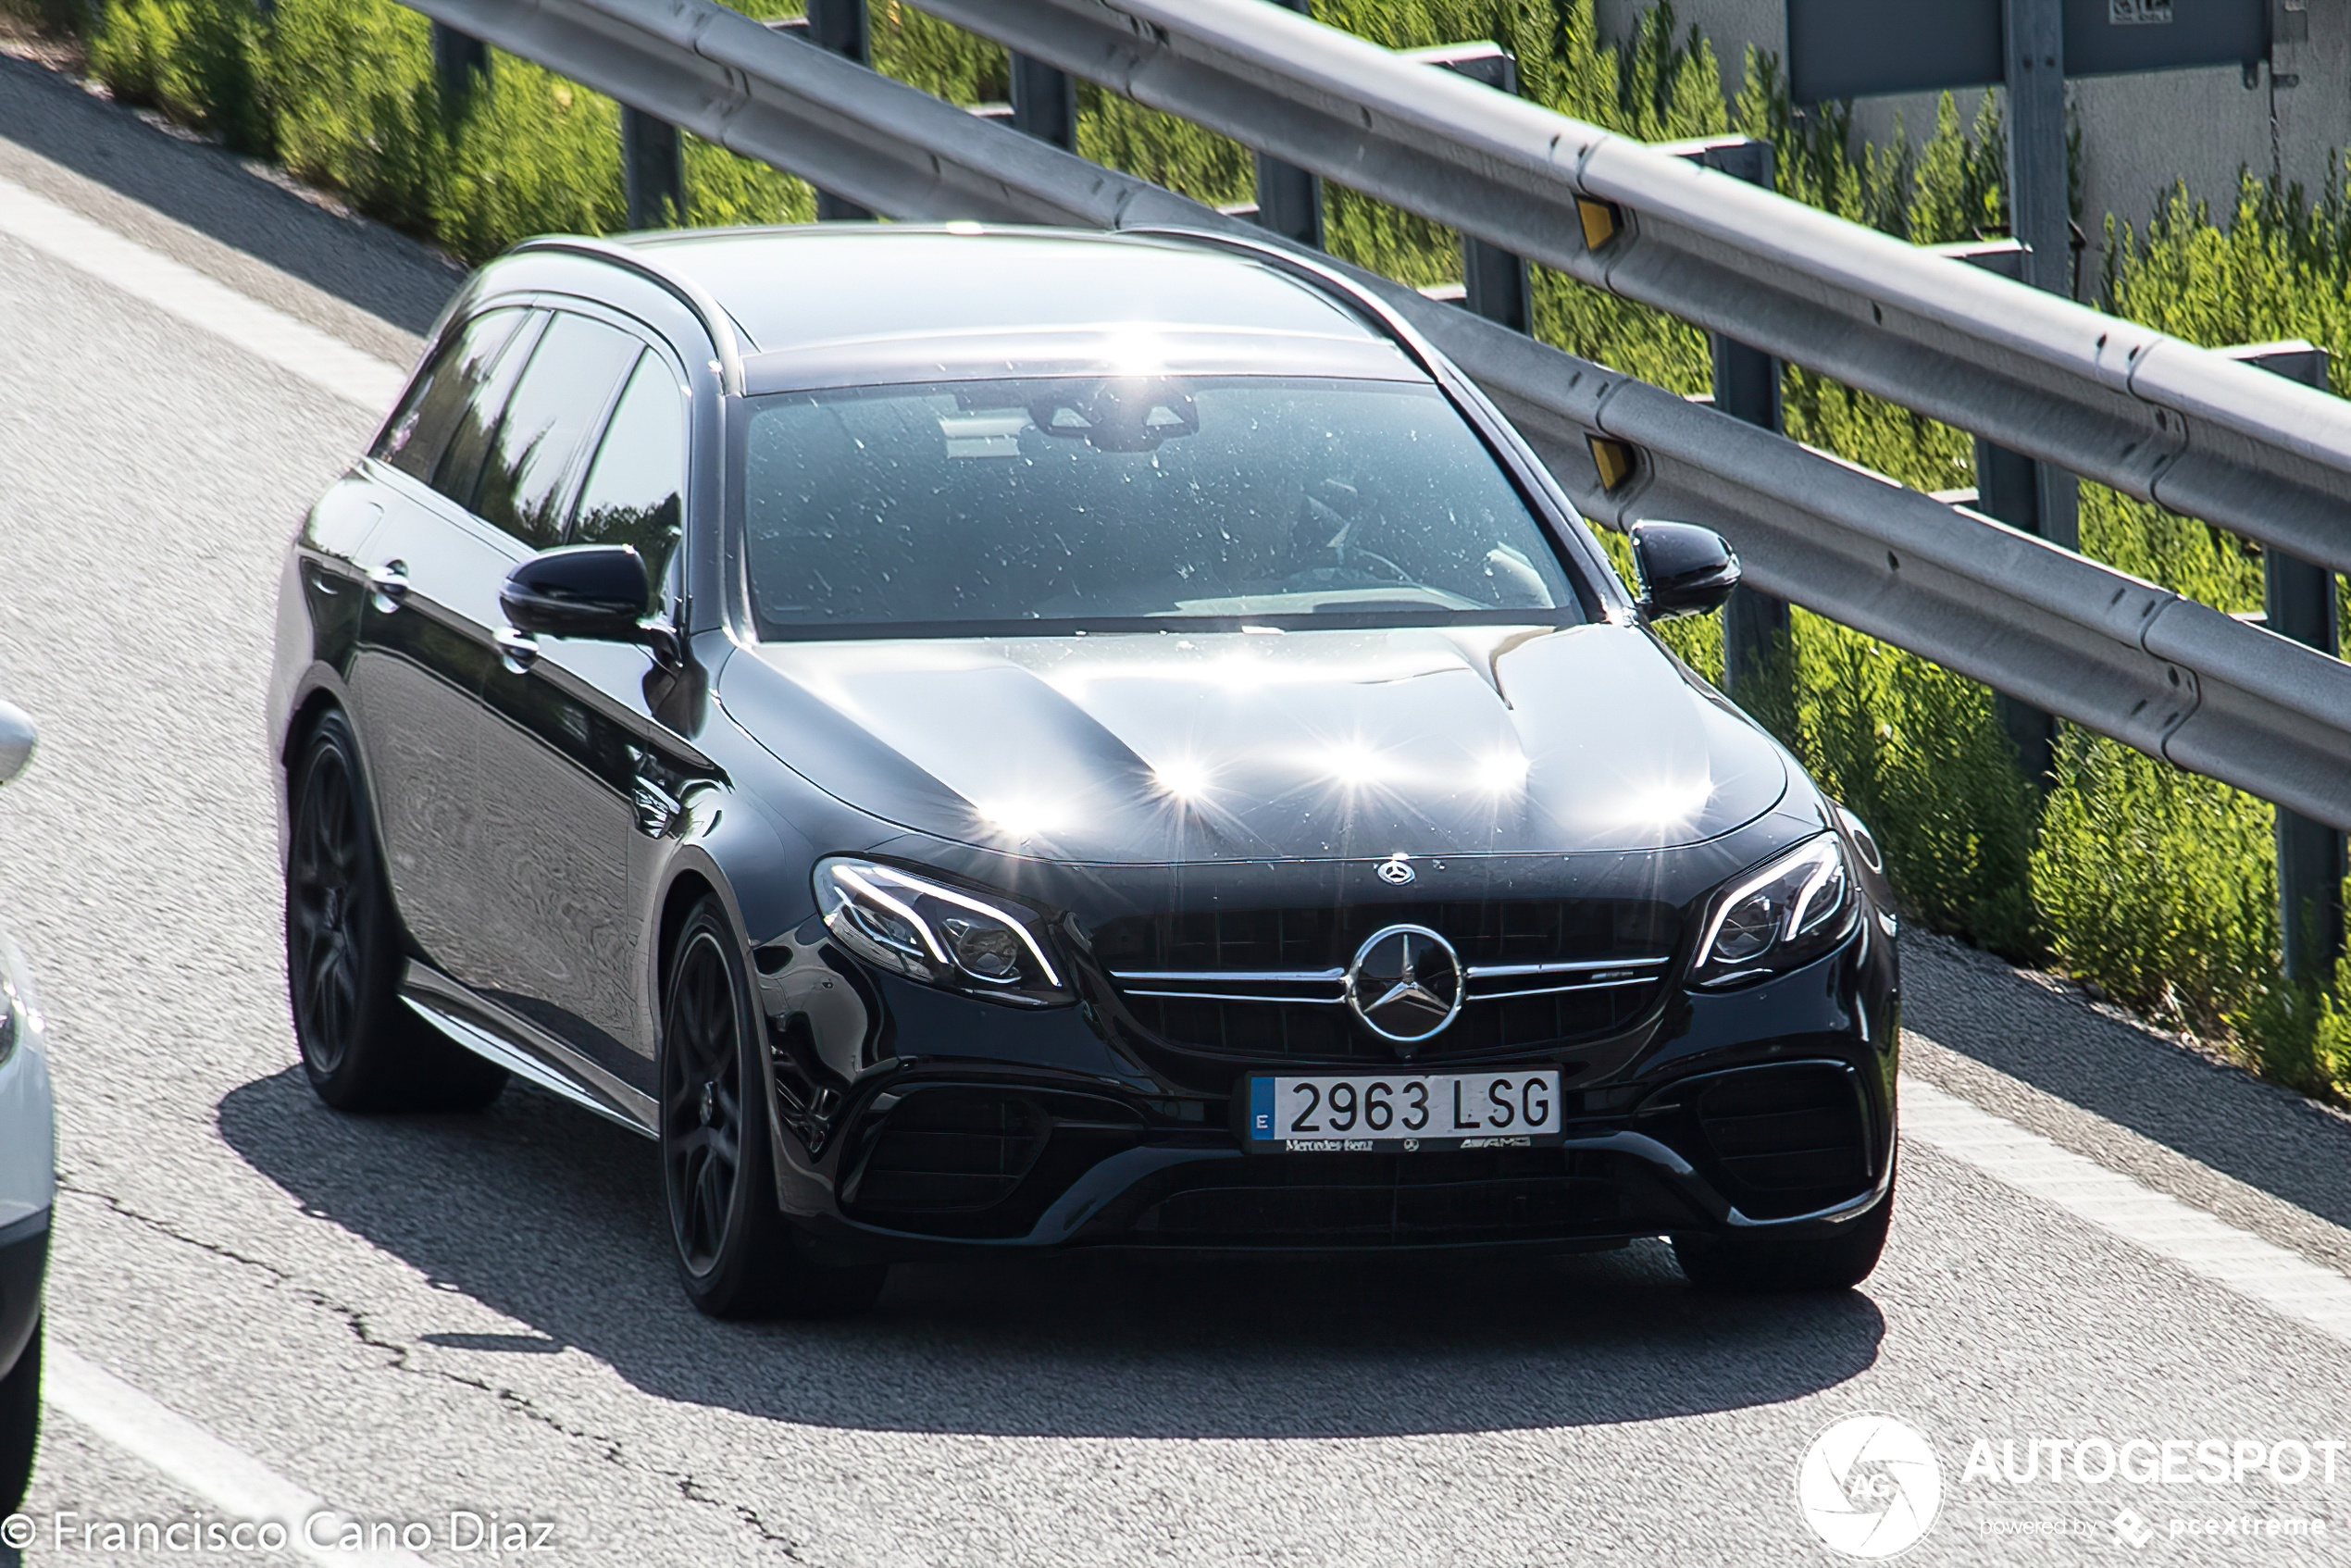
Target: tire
[[362, 1049], [20, 1424], [1762, 1265], [738, 1256]]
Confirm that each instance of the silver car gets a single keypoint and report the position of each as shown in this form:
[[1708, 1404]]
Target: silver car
[[27, 1180]]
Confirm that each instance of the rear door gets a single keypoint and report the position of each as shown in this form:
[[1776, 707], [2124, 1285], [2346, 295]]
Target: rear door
[[428, 628]]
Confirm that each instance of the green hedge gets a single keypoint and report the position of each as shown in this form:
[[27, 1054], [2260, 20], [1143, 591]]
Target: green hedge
[[2157, 886], [343, 93]]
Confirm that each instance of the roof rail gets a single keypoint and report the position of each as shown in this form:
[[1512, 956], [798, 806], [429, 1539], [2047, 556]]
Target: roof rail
[[705, 306]]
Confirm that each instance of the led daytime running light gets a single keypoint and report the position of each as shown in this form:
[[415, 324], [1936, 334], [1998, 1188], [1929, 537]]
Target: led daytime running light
[[903, 911]]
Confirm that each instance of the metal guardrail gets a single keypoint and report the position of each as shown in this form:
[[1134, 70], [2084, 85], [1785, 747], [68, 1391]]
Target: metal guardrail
[[2123, 657]]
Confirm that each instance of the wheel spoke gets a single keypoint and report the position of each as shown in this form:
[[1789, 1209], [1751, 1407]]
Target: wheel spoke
[[335, 1007], [323, 965], [710, 1192], [704, 1008]]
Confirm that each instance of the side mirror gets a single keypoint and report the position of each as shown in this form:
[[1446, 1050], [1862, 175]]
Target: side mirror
[[596, 591], [16, 740], [1685, 569]]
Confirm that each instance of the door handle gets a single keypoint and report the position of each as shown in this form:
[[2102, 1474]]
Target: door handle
[[517, 650], [388, 584]]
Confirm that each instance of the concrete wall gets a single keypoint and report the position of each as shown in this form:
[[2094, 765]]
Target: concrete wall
[[2139, 134]]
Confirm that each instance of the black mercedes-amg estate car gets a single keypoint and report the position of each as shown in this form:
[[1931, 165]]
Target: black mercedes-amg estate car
[[998, 739]]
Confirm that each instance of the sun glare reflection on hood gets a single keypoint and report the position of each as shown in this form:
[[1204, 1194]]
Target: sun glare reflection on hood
[[1141, 747]]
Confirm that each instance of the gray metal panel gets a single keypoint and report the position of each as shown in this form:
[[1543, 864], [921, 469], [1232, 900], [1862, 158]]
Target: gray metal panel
[[1856, 48], [1860, 48], [2111, 37]]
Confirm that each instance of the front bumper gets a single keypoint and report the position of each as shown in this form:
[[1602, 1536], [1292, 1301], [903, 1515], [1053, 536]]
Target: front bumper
[[963, 1127]]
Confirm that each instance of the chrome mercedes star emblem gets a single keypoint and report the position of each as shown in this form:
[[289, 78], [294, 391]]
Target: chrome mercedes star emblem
[[1396, 870], [1405, 984]]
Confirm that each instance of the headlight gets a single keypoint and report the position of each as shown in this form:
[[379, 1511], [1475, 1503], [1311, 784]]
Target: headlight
[[1779, 917], [940, 934]]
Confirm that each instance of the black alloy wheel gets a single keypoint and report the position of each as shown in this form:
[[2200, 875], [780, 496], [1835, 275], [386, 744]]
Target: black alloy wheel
[[20, 1424], [361, 1048], [737, 1254], [1765, 1265]]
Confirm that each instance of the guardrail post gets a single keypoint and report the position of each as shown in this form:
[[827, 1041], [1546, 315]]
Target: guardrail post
[[2300, 604], [1289, 200], [1494, 281], [2032, 49], [839, 26], [460, 63], [1045, 103], [2019, 491], [652, 171], [1756, 627]]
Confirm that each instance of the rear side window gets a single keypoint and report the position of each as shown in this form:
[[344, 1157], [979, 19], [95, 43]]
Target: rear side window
[[633, 488], [418, 431], [459, 466], [563, 393]]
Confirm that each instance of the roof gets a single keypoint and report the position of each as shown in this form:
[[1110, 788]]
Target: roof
[[840, 304]]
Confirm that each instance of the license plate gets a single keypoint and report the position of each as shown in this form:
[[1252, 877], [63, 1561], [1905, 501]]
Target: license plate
[[1403, 1113]]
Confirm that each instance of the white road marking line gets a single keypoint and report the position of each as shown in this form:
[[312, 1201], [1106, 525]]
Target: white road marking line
[[2237, 1260], [240, 1486], [174, 287]]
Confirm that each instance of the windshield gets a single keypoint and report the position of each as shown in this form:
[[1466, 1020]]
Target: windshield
[[1020, 507]]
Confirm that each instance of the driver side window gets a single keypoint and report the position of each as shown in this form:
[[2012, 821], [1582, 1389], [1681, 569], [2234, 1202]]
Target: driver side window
[[634, 493]]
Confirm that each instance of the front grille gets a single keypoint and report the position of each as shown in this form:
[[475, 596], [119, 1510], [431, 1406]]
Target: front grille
[[1789, 1138], [1383, 1199], [1303, 1032], [948, 1151], [1482, 931], [1268, 984]]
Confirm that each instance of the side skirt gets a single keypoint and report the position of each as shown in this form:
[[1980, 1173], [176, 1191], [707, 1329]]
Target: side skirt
[[524, 1050]]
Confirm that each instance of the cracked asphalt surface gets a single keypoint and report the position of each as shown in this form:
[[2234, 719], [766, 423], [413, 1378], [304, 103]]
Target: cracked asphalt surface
[[416, 1316]]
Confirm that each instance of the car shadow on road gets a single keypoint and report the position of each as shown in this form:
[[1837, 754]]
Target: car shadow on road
[[553, 1219]]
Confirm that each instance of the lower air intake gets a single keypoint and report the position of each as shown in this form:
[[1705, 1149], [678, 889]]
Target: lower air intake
[[952, 1151], [1788, 1138]]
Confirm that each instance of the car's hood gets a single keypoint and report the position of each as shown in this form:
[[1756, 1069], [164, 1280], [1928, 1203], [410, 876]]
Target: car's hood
[[1158, 747]]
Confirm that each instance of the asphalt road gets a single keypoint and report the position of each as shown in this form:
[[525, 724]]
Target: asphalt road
[[424, 1321]]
